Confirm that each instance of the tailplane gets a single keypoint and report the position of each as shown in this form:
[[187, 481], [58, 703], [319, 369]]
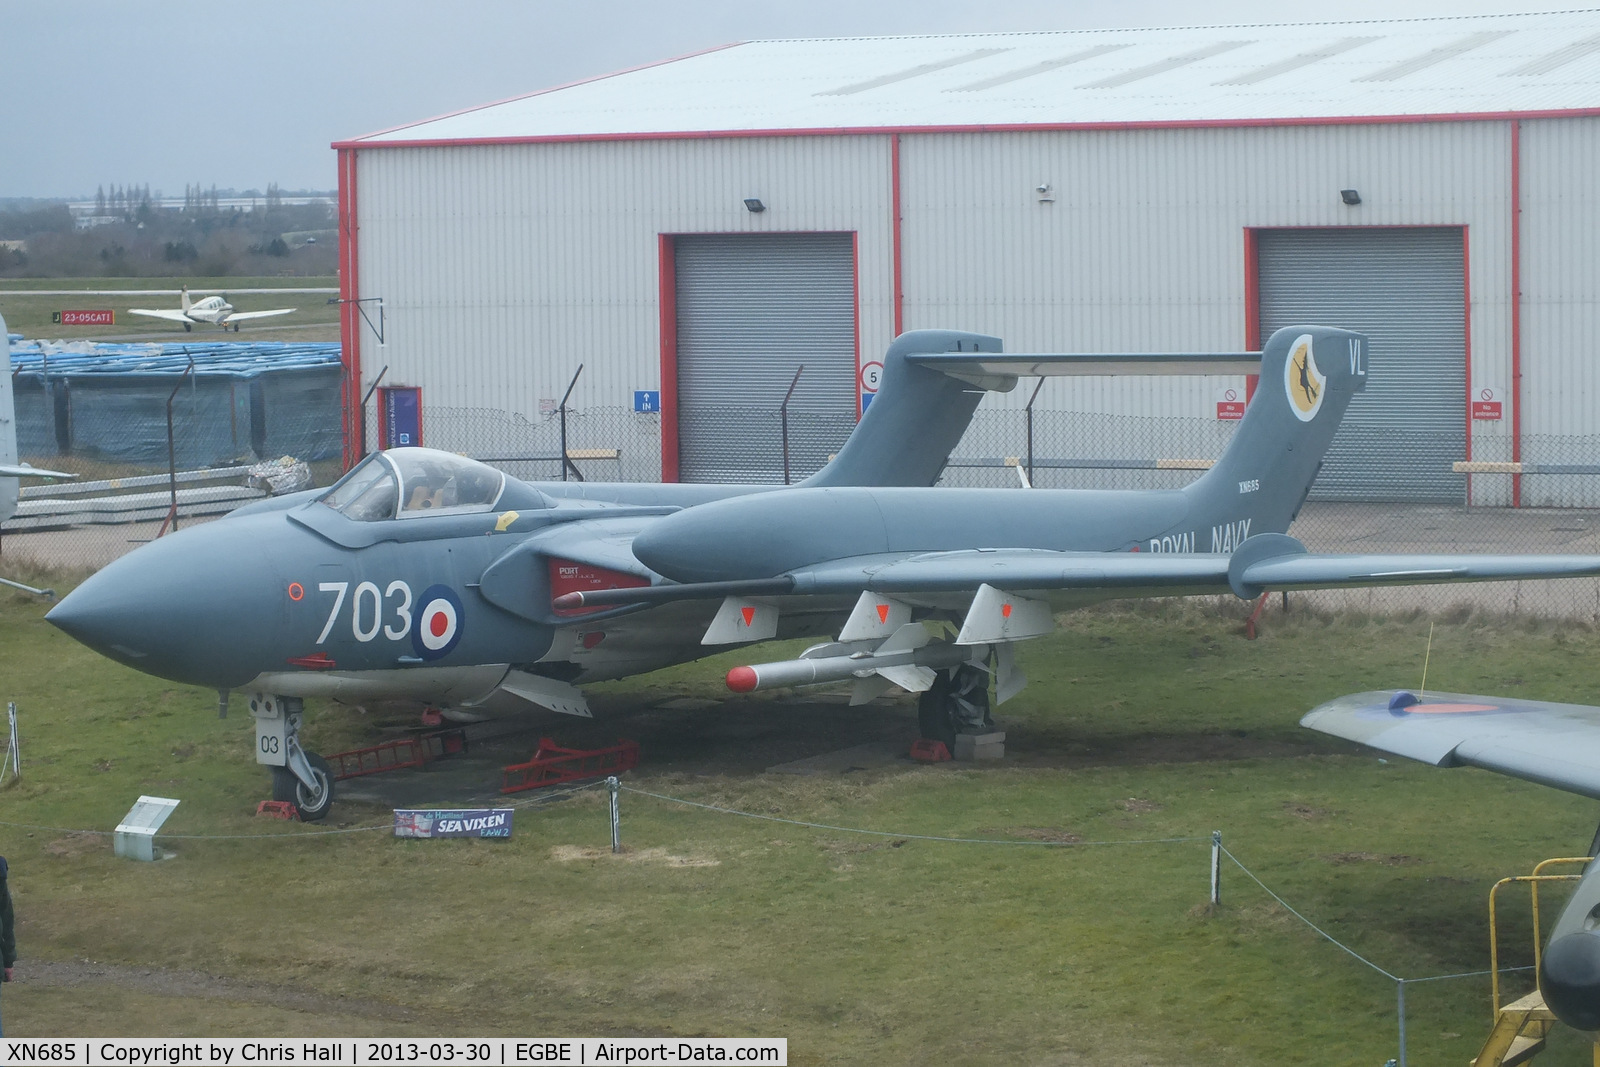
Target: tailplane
[[1308, 376]]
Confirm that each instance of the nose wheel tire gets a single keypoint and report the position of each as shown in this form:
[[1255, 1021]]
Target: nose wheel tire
[[311, 803]]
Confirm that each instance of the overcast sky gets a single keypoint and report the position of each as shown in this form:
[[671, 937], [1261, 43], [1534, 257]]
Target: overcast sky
[[169, 92]]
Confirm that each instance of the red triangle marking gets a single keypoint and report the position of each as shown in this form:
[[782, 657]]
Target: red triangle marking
[[883, 613], [749, 615], [1005, 611]]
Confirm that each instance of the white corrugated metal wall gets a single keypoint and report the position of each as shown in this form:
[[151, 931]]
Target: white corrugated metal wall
[[1143, 249], [1560, 306], [504, 267], [528, 259]]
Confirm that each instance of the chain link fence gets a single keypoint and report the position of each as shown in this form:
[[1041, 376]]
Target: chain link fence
[[223, 428]]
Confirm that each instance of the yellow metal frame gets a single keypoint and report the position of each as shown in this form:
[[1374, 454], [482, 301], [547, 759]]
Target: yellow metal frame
[[1533, 880]]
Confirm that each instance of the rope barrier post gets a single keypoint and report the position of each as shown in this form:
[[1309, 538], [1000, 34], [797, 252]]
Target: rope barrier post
[[616, 818], [1216, 868], [13, 754], [1400, 996]]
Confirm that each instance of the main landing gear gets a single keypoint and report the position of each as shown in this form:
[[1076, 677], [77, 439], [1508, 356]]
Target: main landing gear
[[302, 778], [958, 702]]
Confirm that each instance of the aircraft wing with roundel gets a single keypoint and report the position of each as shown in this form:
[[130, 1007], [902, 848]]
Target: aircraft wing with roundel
[[1540, 741]]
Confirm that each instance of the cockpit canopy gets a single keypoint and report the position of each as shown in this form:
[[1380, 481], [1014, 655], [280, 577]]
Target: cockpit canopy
[[412, 482]]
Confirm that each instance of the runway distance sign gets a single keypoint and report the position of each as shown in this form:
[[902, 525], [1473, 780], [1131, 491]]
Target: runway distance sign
[[98, 317]]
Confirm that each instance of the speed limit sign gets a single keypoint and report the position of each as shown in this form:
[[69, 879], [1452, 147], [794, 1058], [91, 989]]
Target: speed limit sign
[[871, 373]]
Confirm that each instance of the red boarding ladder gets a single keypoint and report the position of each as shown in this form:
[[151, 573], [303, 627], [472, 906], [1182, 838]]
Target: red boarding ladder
[[552, 764]]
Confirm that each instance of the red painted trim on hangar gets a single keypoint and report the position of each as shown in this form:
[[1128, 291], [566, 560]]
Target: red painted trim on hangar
[[997, 127]]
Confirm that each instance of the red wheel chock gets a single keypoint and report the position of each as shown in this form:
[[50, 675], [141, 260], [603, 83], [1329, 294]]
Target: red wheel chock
[[926, 751], [277, 809]]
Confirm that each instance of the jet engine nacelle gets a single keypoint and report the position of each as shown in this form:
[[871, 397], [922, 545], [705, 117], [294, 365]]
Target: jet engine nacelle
[[1569, 970]]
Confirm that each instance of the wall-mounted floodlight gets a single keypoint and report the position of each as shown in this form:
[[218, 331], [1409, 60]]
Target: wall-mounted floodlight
[[754, 205], [1046, 193], [1350, 197]]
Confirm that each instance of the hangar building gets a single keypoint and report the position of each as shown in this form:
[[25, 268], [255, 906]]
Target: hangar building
[[694, 230]]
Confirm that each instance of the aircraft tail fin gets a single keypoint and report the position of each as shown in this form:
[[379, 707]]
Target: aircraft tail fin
[[915, 419], [187, 304], [1308, 376]]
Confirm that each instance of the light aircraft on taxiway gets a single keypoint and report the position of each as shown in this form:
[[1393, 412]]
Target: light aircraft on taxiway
[[433, 578], [213, 309]]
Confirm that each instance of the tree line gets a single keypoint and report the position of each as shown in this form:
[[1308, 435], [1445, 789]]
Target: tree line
[[133, 235]]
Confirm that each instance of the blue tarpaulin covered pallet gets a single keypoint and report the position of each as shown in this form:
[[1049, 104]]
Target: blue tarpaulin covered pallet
[[110, 400]]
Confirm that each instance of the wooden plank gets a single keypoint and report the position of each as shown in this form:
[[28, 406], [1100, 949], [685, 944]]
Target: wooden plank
[[1485, 466]]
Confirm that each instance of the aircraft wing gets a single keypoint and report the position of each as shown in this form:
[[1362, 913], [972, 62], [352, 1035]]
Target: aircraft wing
[[1276, 562], [238, 316], [1553, 744], [25, 471], [1014, 569], [161, 313], [1262, 563]]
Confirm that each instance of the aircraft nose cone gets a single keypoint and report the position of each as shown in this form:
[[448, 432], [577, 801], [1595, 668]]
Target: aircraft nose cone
[[1569, 977], [178, 608]]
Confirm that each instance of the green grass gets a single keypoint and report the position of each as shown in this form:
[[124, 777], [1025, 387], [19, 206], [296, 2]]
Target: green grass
[[29, 314], [1142, 723]]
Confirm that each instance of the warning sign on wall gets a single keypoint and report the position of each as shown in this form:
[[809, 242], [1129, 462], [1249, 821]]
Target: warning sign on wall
[[1486, 404], [1230, 405]]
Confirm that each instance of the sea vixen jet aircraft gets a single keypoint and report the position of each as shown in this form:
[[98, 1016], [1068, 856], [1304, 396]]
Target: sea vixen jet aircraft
[[426, 576], [213, 309]]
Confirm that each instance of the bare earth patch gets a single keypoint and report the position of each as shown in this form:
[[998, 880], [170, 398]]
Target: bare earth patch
[[74, 845], [1344, 859], [573, 853], [1036, 833], [1306, 812]]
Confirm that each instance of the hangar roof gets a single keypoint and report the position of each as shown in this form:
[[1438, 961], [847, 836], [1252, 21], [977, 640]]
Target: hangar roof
[[1324, 71]]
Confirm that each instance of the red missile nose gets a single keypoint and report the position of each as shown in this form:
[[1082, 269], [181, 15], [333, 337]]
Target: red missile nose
[[742, 679]]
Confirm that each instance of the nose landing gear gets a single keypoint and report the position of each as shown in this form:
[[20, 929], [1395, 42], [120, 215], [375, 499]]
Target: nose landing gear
[[302, 778]]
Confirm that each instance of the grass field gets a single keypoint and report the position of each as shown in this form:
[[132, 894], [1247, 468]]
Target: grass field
[[29, 314], [1139, 724]]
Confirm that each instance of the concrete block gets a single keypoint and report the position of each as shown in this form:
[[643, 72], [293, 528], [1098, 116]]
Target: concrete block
[[987, 746]]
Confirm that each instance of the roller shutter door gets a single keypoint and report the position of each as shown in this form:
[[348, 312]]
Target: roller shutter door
[[752, 308], [1405, 288]]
